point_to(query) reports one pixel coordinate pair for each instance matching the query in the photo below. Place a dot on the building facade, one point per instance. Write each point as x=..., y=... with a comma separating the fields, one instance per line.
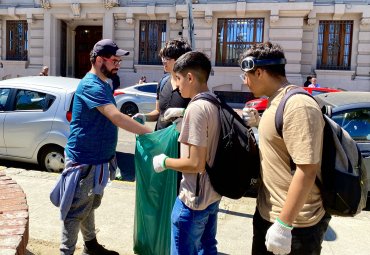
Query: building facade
x=326, y=38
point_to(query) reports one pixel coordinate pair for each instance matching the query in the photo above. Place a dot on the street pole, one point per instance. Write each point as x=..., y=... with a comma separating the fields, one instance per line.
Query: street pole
x=190, y=24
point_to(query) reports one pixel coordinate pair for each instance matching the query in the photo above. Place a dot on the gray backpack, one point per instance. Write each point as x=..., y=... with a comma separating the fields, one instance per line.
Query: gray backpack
x=343, y=184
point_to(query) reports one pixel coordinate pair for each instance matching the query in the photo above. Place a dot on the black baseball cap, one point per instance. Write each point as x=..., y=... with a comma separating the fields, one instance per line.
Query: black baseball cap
x=108, y=47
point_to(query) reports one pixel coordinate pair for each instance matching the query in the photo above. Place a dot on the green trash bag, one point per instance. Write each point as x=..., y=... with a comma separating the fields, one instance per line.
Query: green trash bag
x=155, y=192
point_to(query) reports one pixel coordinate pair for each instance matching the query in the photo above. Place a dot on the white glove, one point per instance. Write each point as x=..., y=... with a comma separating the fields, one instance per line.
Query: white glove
x=279, y=238
x=159, y=162
x=173, y=113
x=139, y=117
x=251, y=117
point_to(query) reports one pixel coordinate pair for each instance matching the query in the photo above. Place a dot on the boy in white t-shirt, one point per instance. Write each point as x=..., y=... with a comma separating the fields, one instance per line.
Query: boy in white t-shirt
x=194, y=215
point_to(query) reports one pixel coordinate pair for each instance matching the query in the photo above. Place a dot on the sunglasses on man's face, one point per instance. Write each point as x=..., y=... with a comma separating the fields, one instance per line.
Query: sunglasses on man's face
x=113, y=61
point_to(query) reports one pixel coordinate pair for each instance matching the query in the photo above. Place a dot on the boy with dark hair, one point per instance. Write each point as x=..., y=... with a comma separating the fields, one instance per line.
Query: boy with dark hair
x=290, y=217
x=168, y=95
x=194, y=215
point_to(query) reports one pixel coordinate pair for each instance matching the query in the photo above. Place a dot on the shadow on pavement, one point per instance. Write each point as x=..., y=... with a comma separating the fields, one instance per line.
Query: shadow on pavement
x=125, y=162
x=126, y=165
x=246, y=215
x=21, y=165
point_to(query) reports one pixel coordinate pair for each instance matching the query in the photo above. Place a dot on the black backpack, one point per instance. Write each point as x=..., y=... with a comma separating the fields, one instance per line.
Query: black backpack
x=237, y=163
x=163, y=82
x=344, y=181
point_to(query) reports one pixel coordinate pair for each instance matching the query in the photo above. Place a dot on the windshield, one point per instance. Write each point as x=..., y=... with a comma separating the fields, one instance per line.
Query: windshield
x=356, y=122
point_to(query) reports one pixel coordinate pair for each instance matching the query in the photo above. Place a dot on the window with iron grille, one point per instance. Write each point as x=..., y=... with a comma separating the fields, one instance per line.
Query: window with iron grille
x=234, y=36
x=17, y=40
x=152, y=39
x=334, y=45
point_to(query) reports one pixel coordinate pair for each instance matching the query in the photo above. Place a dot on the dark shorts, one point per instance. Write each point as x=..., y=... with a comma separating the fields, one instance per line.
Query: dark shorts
x=305, y=241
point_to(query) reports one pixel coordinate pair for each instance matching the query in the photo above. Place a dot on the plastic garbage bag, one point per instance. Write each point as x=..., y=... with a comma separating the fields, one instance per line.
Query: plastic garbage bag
x=155, y=192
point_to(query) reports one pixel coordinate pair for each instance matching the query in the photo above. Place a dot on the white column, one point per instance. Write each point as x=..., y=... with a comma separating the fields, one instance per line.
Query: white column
x=48, y=41
x=108, y=25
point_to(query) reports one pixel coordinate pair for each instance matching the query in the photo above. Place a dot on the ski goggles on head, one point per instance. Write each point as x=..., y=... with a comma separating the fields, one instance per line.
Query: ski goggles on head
x=251, y=63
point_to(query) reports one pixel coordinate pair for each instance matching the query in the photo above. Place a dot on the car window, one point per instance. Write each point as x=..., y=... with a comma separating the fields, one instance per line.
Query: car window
x=152, y=88
x=33, y=100
x=4, y=93
x=356, y=122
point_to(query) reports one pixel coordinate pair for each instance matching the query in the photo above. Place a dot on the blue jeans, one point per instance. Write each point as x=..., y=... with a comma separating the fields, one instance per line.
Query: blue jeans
x=193, y=231
x=305, y=241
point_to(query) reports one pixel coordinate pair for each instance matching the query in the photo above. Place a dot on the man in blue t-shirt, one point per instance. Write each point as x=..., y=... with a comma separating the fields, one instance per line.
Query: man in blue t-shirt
x=91, y=148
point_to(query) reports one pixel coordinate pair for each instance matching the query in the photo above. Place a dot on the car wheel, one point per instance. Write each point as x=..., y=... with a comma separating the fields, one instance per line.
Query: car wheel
x=51, y=158
x=129, y=108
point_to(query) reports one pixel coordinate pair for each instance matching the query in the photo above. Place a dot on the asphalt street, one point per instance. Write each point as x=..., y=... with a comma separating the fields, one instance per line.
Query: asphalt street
x=115, y=217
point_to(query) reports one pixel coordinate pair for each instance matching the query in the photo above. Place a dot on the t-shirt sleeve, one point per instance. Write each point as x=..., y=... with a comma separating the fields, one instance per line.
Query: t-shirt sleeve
x=303, y=130
x=95, y=94
x=194, y=127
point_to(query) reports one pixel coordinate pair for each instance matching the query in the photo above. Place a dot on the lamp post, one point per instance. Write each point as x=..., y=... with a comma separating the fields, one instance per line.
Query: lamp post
x=190, y=24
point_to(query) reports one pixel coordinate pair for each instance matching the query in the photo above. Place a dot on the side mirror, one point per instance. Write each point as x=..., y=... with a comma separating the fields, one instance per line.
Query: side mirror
x=327, y=110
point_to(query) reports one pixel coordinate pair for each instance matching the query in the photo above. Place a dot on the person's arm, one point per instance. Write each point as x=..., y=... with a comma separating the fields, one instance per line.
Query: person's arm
x=301, y=185
x=279, y=236
x=195, y=163
x=122, y=120
x=153, y=115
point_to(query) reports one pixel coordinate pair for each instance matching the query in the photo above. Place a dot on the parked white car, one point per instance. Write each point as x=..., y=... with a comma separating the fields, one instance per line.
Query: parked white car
x=35, y=113
x=136, y=98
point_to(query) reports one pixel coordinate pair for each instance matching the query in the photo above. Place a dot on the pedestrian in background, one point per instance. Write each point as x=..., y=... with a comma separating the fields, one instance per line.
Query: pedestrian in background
x=290, y=217
x=194, y=214
x=90, y=150
x=142, y=80
x=314, y=83
x=116, y=81
x=308, y=81
x=44, y=71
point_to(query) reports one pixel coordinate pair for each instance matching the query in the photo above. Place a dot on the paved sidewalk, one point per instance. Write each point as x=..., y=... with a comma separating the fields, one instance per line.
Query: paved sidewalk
x=115, y=218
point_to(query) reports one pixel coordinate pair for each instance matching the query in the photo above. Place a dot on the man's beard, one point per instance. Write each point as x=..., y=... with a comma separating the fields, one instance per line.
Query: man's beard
x=106, y=72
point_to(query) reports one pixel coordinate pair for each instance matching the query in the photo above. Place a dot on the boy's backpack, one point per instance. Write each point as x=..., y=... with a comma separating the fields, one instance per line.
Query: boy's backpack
x=344, y=181
x=237, y=163
x=163, y=82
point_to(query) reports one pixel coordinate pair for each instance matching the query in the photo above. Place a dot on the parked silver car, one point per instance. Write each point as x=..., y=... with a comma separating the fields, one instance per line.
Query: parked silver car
x=136, y=98
x=351, y=110
x=35, y=113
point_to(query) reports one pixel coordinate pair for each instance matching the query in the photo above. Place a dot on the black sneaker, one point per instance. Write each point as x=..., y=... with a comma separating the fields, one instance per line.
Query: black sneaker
x=94, y=248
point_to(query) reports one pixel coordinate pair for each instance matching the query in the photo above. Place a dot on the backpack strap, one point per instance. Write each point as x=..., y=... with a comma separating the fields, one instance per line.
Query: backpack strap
x=279, y=122
x=216, y=102
x=163, y=82
x=206, y=96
